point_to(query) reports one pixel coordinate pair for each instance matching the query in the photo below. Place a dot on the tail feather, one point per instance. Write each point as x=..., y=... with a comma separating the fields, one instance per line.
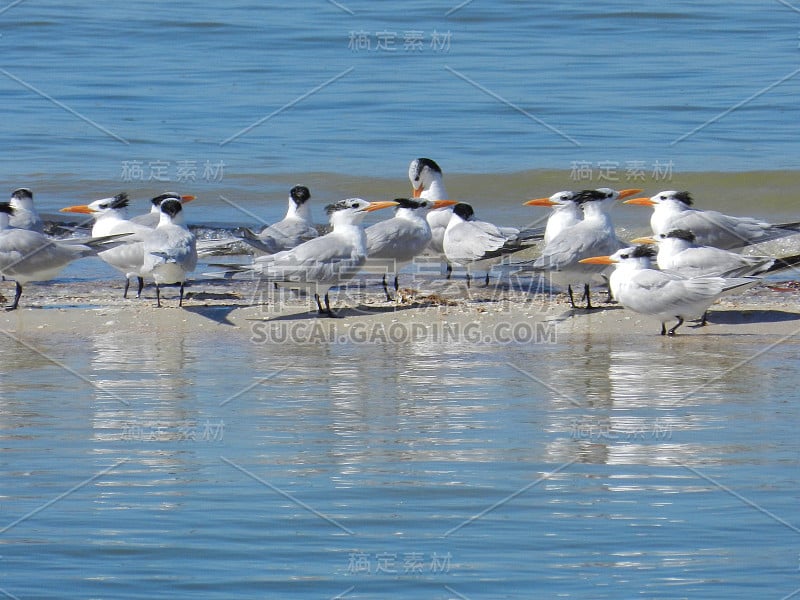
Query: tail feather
x=787, y=262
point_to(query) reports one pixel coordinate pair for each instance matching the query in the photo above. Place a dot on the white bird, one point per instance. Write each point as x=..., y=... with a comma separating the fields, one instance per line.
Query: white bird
x=673, y=210
x=678, y=252
x=32, y=256
x=566, y=212
x=170, y=250
x=477, y=245
x=25, y=214
x=662, y=294
x=326, y=261
x=592, y=236
x=294, y=229
x=427, y=183
x=151, y=219
x=393, y=243
x=111, y=217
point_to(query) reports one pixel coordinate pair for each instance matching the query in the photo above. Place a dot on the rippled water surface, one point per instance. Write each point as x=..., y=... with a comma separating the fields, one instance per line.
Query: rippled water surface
x=135, y=466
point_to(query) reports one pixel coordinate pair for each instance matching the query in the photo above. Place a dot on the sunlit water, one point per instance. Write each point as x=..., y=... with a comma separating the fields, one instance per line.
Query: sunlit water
x=141, y=466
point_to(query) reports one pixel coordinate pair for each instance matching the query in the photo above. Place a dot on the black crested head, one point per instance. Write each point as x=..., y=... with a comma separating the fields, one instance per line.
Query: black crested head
x=336, y=206
x=165, y=196
x=643, y=251
x=684, y=197
x=22, y=194
x=464, y=211
x=589, y=196
x=421, y=163
x=171, y=207
x=681, y=234
x=6, y=208
x=408, y=203
x=119, y=201
x=300, y=194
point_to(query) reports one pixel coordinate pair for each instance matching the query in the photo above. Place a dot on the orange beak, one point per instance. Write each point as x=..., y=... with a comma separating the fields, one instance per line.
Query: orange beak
x=373, y=206
x=640, y=202
x=444, y=203
x=417, y=192
x=597, y=260
x=185, y=199
x=81, y=208
x=627, y=193
x=540, y=202
x=644, y=240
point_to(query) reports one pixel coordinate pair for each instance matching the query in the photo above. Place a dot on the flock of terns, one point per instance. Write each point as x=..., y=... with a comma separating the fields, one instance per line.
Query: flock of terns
x=690, y=260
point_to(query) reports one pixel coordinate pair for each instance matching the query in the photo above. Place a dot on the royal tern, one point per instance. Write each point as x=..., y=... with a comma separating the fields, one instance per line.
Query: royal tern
x=25, y=215
x=325, y=261
x=397, y=241
x=294, y=229
x=678, y=252
x=31, y=256
x=111, y=217
x=151, y=219
x=673, y=210
x=477, y=245
x=566, y=213
x=427, y=183
x=661, y=294
x=592, y=236
x=170, y=250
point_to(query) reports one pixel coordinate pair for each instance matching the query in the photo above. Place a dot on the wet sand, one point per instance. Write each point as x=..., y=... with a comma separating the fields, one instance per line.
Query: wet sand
x=432, y=310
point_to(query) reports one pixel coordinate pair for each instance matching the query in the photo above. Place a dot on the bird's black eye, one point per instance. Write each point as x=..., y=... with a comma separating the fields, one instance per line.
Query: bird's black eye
x=609, y=195
x=104, y=206
x=625, y=256
x=662, y=197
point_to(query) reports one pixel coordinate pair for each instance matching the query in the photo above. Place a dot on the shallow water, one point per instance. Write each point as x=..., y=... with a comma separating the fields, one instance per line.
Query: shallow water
x=135, y=465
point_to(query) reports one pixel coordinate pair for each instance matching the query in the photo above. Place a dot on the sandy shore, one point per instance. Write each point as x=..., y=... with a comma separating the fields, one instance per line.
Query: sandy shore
x=433, y=310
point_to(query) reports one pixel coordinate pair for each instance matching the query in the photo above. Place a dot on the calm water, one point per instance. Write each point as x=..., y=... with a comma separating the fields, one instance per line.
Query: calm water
x=143, y=467
x=138, y=467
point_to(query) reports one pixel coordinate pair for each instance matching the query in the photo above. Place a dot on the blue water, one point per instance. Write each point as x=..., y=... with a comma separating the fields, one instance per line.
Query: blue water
x=188, y=465
x=166, y=467
x=148, y=91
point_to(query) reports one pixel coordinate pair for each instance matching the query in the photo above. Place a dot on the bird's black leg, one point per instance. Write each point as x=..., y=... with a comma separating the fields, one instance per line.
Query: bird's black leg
x=17, y=294
x=328, y=310
x=704, y=320
x=180, y=298
x=127, y=285
x=663, y=328
x=158, y=296
x=319, y=305
x=396, y=282
x=678, y=324
x=487, y=279
x=587, y=293
x=386, y=289
x=140, y=283
x=449, y=271
x=469, y=280
x=571, y=297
